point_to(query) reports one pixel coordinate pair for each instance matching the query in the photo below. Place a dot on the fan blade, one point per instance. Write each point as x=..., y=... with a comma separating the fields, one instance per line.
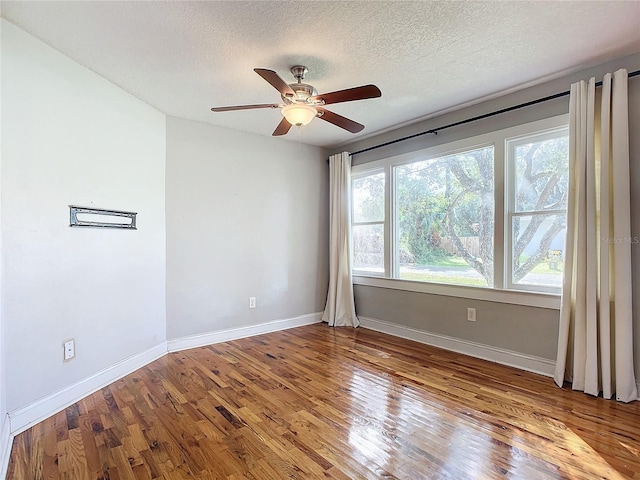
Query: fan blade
x=340, y=121
x=348, y=95
x=274, y=79
x=245, y=107
x=282, y=128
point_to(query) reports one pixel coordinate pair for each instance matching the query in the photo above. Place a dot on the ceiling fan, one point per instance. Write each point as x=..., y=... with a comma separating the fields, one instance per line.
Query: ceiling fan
x=302, y=102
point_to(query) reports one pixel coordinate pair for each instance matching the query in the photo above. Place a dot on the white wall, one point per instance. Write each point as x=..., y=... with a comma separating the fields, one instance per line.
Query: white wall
x=4, y=423
x=246, y=216
x=71, y=137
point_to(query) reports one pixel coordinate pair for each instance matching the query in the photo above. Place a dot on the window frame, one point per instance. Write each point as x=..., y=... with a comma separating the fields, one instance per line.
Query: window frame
x=393, y=200
x=510, y=206
x=384, y=222
x=501, y=290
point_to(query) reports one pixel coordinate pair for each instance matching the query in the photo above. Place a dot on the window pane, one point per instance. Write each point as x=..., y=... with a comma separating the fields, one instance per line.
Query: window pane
x=368, y=248
x=368, y=198
x=542, y=176
x=538, y=249
x=445, y=219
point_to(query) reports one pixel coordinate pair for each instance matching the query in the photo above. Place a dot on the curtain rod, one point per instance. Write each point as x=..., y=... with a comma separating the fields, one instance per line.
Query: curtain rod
x=479, y=117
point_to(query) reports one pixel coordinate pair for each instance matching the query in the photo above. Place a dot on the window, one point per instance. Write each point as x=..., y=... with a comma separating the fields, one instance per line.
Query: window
x=444, y=212
x=488, y=211
x=368, y=216
x=537, y=209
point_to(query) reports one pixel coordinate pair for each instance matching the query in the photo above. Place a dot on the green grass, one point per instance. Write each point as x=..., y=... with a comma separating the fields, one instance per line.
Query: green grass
x=453, y=261
x=543, y=267
x=459, y=262
x=428, y=277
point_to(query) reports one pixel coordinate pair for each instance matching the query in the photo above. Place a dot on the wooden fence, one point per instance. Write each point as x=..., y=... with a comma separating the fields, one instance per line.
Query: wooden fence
x=471, y=245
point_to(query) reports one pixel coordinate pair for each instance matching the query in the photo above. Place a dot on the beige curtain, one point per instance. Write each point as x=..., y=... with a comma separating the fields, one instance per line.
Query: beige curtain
x=595, y=344
x=340, y=308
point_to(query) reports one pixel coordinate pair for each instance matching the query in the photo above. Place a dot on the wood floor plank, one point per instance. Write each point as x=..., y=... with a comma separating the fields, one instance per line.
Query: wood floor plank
x=318, y=402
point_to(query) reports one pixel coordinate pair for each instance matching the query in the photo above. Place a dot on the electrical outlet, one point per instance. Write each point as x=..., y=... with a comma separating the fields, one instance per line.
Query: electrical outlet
x=471, y=314
x=252, y=302
x=69, y=349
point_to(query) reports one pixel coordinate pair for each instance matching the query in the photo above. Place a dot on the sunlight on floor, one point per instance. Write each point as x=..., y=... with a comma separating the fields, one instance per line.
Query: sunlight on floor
x=467, y=443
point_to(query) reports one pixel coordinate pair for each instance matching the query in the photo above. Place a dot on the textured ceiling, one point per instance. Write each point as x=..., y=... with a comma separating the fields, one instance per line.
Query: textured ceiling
x=183, y=57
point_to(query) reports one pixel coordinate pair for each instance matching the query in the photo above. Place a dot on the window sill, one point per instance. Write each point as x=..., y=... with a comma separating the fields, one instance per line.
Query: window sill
x=514, y=297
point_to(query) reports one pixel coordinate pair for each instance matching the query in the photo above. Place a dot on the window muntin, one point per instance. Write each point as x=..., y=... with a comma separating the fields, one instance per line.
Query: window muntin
x=368, y=222
x=444, y=211
x=539, y=178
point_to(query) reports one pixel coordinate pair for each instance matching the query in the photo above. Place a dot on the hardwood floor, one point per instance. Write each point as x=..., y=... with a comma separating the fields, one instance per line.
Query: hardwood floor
x=317, y=402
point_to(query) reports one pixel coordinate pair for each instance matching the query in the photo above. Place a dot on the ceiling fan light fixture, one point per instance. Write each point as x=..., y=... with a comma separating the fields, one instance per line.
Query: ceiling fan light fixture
x=299, y=114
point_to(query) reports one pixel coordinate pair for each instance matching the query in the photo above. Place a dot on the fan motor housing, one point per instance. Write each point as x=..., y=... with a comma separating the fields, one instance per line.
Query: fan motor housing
x=303, y=92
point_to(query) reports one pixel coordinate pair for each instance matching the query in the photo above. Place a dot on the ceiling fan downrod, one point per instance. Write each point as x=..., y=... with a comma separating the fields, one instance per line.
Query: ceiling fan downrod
x=299, y=72
x=302, y=90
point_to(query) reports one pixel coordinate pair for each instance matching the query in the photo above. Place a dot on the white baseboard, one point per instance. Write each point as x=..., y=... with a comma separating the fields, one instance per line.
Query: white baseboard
x=522, y=361
x=35, y=412
x=209, y=338
x=6, y=439
x=23, y=418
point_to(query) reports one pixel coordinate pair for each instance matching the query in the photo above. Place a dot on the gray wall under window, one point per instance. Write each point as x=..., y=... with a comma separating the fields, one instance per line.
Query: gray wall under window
x=523, y=329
